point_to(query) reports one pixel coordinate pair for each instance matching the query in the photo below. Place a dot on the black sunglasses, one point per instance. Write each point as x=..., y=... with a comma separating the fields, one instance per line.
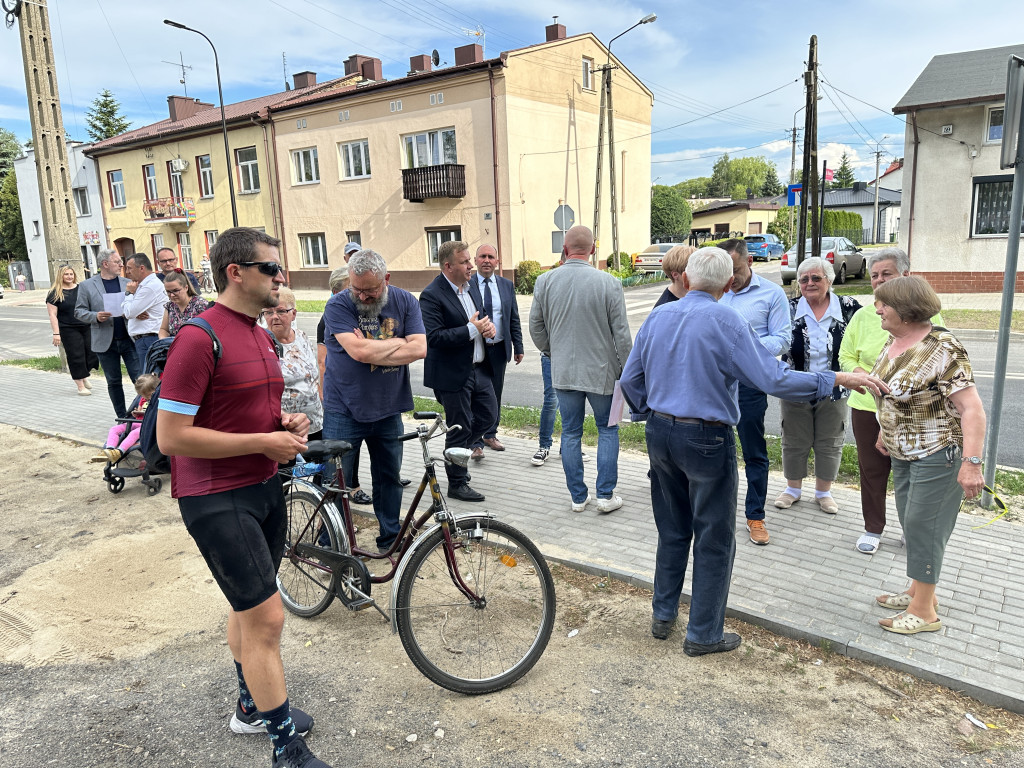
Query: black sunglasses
x=268, y=268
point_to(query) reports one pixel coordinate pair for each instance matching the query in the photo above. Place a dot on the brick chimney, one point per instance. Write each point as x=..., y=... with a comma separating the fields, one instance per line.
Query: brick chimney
x=419, y=63
x=371, y=69
x=182, y=107
x=304, y=79
x=468, y=54
x=354, y=64
x=554, y=32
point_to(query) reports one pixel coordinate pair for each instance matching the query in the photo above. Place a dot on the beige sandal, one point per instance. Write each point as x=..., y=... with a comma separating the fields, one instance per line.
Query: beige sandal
x=898, y=602
x=909, y=624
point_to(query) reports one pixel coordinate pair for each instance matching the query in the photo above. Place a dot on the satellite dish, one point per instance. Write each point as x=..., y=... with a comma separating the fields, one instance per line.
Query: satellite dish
x=435, y=57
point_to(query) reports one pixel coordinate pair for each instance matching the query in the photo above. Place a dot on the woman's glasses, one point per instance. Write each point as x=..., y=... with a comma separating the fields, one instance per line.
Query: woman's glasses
x=808, y=278
x=268, y=268
x=272, y=312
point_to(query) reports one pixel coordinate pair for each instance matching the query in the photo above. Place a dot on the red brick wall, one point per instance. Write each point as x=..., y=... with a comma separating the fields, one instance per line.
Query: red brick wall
x=969, y=282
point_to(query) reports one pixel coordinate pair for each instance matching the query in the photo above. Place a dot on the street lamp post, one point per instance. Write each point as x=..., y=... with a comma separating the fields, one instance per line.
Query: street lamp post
x=603, y=114
x=223, y=119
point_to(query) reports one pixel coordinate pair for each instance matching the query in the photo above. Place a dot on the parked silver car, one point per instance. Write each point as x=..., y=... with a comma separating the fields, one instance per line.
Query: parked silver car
x=649, y=259
x=845, y=257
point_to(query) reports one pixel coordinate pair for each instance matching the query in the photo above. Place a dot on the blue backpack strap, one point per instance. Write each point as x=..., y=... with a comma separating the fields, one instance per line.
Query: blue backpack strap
x=201, y=322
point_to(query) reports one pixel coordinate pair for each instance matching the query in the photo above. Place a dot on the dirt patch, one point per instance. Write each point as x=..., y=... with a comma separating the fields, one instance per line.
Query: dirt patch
x=112, y=653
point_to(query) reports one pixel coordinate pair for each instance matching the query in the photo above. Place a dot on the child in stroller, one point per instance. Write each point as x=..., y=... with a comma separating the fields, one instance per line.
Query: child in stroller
x=124, y=435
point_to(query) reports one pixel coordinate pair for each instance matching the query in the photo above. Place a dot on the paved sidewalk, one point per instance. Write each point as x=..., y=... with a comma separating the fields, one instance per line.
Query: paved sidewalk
x=808, y=583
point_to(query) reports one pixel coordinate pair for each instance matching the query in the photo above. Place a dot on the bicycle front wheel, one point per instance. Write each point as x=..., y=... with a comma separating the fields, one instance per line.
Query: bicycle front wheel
x=480, y=647
x=306, y=586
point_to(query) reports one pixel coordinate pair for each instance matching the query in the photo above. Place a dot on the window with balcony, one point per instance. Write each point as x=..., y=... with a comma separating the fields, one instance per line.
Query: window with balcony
x=248, y=170
x=430, y=148
x=174, y=176
x=436, y=236
x=355, y=159
x=205, y=176
x=305, y=166
x=81, y=195
x=149, y=182
x=314, y=250
x=588, y=74
x=115, y=181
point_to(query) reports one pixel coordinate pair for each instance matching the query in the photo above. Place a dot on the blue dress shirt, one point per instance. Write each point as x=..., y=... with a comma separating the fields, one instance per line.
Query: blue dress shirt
x=689, y=355
x=766, y=307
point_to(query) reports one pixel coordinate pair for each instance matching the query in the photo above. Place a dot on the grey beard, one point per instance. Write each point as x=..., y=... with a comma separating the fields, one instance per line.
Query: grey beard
x=370, y=310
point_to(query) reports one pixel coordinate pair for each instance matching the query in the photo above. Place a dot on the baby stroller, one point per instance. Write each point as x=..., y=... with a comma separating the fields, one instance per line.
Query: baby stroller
x=132, y=463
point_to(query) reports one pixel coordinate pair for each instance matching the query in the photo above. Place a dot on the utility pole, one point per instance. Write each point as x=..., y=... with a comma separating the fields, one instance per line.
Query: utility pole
x=809, y=193
x=878, y=159
x=605, y=88
x=60, y=223
x=610, y=115
x=794, y=132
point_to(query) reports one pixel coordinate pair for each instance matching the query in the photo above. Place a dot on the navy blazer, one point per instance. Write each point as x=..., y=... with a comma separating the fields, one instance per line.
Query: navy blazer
x=449, y=361
x=511, y=330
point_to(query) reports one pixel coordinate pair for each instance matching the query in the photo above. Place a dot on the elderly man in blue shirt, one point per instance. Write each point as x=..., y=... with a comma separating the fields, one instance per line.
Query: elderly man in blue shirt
x=687, y=361
x=765, y=306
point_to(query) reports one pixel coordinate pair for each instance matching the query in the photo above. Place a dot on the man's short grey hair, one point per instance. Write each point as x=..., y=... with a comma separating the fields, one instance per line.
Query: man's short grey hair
x=338, y=278
x=709, y=269
x=896, y=255
x=367, y=261
x=816, y=262
x=105, y=254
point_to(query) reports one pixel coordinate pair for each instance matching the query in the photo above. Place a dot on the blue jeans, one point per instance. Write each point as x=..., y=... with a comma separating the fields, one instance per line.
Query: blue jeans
x=753, y=403
x=572, y=404
x=694, y=466
x=547, y=412
x=120, y=349
x=142, y=349
x=385, y=463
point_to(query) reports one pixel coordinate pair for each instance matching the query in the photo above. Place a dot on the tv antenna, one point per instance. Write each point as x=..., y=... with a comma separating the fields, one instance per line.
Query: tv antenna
x=284, y=71
x=182, y=66
x=478, y=33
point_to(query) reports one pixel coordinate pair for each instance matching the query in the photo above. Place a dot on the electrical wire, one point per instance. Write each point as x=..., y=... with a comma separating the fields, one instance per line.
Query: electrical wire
x=716, y=154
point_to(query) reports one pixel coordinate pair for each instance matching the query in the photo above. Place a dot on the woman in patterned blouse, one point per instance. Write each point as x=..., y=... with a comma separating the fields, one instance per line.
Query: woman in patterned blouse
x=298, y=364
x=932, y=426
x=184, y=303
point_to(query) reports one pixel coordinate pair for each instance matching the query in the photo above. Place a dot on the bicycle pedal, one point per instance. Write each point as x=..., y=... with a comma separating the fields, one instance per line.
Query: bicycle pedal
x=360, y=604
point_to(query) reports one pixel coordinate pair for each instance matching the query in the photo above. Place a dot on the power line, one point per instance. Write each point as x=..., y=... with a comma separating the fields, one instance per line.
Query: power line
x=716, y=154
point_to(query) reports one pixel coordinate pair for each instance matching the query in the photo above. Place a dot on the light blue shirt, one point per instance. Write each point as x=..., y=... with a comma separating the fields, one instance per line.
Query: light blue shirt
x=689, y=355
x=495, y=307
x=818, y=350
x=766, y=307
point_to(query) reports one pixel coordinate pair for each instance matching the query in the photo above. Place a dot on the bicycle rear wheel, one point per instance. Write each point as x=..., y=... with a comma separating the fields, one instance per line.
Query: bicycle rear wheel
x=471, y=648
x=306, y=587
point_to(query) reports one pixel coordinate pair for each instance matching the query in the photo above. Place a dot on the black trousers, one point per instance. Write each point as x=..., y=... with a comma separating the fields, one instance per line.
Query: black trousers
x=474, y=408
x=496, y=362
x=81, y=358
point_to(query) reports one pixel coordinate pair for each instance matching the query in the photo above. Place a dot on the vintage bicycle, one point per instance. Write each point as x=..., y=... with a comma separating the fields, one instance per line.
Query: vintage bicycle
x=472, y=598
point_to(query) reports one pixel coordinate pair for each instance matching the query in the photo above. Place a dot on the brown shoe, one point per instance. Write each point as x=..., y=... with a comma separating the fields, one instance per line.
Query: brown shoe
x=478, y=454
x=493, y=444
x=785, y=500
x=758, y=533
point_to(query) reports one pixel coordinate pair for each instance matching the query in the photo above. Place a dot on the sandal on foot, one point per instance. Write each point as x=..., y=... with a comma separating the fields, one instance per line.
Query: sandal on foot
x=909, y=624
x=868, y=543
x=898, y=602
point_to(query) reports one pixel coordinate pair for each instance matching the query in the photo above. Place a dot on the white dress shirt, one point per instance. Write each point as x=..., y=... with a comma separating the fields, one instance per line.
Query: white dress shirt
x=150, y=297
x=818, y=352
x=467, y=305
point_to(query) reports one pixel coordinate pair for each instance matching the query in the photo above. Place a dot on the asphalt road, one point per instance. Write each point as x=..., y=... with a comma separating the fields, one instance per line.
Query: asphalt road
x=25, y=332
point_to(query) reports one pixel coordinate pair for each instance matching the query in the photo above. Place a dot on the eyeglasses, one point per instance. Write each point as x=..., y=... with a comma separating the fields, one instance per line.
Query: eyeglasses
x=174, y=291
x=809, y=278
x=272, y=312
x=268, y=268
x=374, y=294
x=167, y=261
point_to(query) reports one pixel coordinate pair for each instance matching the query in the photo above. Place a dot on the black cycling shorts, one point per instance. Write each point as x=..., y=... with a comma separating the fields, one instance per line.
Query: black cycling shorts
x=241, y=534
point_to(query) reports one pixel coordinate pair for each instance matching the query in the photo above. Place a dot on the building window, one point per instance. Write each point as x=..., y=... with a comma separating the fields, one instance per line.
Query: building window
x=314, y=250
x=437, y=236
x=430, y=148
x=81, y=195
x=205, y=176
x=248, y=170
x=35, y=228
x=149, y=181
x=174, y=176
x=185, y=246
x=354, y=237
x=211, y=238
x=158, y=243
x=115, y=180
x=994, y=129
x=355, y=159
x=992, y=207
x=305, y=166
x=588, y=74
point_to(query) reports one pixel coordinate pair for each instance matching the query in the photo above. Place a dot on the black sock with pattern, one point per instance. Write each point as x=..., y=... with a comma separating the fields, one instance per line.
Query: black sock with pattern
x=280, y=727
x=244, y=697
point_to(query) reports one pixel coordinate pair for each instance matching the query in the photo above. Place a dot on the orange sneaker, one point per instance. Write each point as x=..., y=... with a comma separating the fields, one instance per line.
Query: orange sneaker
x=758, y=533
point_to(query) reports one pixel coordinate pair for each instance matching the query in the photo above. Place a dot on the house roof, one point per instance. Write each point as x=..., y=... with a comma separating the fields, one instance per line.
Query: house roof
x=848, y=196
x=751, y=204
x=960, y=78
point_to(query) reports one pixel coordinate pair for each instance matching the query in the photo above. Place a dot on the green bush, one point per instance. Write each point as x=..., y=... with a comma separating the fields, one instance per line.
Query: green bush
x=526, y=275
x=625, y=262
x=843, y=224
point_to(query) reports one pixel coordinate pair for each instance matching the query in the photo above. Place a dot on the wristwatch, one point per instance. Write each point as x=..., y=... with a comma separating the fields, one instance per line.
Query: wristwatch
x=972, y=459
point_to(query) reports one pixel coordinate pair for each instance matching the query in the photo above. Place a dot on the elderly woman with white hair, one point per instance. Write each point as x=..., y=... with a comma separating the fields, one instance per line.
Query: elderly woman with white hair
x=820, y=318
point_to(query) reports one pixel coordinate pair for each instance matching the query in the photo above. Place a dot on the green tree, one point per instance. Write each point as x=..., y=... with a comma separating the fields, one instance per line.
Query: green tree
x=12, y=236
x=721, y=179
x=772, y=186
x=10, y=148
x=670, y=214
x=783, y=228
x=104, y=118
x=843, y=177
x=698, y=187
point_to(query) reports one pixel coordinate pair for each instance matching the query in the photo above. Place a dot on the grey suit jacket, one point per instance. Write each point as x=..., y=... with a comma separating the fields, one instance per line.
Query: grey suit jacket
x=579, y=318
x=90, y=302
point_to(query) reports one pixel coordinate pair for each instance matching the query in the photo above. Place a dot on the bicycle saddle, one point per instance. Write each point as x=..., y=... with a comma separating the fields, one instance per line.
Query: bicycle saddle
x=318, y=450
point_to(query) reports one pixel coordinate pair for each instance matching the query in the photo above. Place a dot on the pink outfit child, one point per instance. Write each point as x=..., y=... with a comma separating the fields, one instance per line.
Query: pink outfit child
x=125, y=436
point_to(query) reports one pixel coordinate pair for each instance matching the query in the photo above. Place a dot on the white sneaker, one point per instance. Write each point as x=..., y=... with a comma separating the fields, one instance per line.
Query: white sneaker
x=604, y=506
x=582, y=505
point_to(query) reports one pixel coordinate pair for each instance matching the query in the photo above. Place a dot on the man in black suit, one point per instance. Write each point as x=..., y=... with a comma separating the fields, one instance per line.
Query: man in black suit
x=499, y=304
x=456, y=365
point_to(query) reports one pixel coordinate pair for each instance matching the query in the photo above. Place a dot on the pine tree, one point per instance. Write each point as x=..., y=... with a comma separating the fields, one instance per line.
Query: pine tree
x=843, y=177
x=12, y=236
x=104, y=118
x=10, y=148
x=772, y=186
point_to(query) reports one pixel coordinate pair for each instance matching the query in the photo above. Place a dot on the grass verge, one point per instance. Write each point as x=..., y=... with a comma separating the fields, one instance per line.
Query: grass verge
x=50, y=363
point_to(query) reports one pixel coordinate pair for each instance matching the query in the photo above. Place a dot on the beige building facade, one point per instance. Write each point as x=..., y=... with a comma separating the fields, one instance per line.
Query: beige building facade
x=734, y=218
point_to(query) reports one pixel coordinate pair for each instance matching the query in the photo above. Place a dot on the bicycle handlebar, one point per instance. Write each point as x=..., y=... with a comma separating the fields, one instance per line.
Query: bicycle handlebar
x=424, y=414
x=408, y=436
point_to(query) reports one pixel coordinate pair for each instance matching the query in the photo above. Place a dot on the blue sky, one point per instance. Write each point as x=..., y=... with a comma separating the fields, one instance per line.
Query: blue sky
x=697, y=58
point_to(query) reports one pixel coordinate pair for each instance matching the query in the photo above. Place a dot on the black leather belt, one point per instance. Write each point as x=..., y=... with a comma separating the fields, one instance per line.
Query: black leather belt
x=144, y=336
x=686, y=420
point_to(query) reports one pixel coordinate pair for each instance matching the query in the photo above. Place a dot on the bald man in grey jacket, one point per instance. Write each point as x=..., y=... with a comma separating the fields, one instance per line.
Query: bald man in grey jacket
x=579, y=319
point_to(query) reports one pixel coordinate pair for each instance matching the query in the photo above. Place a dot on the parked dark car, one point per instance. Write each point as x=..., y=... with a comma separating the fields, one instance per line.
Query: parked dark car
x=764, y=247
x=845, y=257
